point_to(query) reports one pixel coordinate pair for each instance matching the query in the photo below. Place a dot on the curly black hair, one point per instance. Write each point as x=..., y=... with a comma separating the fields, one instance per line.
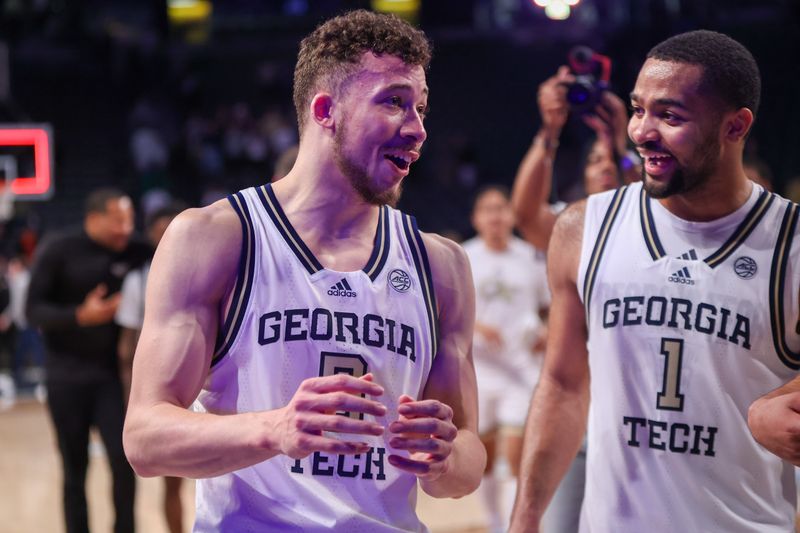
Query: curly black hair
x=331, y=51
x=730, y=72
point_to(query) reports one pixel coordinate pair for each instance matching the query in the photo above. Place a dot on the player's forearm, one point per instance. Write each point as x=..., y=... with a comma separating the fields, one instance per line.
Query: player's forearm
x=168, y=440
x=466, y=464
x=786, y=388
x=553, y=434
x=531, y=189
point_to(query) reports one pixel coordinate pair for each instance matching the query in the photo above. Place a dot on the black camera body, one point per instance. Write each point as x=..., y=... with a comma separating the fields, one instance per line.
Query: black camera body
x=592, y=73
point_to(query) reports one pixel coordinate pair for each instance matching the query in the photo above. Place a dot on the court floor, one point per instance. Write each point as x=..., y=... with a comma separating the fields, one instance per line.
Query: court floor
x=30, y=476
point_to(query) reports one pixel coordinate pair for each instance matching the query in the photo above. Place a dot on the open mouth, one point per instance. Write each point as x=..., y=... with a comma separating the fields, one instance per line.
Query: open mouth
x=398, y=161
x=659, y=160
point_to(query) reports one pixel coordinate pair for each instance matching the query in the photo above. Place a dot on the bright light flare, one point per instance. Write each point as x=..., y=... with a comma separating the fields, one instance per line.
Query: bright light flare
x=557, y=10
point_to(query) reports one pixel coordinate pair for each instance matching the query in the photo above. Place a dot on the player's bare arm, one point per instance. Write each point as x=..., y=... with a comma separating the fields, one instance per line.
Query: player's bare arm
x=534, y=177
x=774, y=421
x=441, y=431
x=192, y=275
x=557, y=418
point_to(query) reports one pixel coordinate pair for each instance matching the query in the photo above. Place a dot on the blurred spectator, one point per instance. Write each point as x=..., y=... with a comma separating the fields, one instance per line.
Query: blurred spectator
x=73, y=297
x=607, y=165
x=28, y=347
x=510, y=291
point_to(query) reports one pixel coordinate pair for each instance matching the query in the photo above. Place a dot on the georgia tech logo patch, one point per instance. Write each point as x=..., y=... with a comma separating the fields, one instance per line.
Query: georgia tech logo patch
x=399, y=280
x=745, y=267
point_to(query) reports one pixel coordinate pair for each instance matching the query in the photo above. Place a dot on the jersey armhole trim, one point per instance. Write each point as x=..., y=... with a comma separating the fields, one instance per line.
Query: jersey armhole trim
x=599, y=247
x=244, y=281
x=423, y=268
x=777, y=284
x=743, y=231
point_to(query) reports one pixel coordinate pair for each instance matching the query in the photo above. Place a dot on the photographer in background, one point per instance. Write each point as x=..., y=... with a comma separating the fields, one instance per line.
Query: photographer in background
x=608, y=163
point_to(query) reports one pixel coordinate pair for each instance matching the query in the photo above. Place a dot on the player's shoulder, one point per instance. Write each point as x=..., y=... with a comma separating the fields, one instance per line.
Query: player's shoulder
x=209, y=233
x=448, y=261
x=442, y=249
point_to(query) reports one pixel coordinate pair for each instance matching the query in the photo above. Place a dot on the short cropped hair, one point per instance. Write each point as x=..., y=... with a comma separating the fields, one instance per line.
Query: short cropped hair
x=330, y=53
x=97, y=201
x=730, y=72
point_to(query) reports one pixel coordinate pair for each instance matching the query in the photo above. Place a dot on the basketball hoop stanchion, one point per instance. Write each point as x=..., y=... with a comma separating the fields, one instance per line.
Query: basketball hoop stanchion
x=26, y=160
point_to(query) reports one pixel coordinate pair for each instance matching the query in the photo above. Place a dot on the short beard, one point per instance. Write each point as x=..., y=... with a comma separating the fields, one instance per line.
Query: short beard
x=358, y=177
x=685, y=179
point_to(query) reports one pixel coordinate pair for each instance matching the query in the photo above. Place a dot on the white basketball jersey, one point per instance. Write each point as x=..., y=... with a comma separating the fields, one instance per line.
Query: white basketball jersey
x=510, y=288
x=682, y=340
x=292, y=319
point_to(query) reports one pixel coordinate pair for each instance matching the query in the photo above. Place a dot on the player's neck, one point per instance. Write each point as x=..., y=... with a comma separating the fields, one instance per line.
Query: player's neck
x=725, y=192
x=323, y=210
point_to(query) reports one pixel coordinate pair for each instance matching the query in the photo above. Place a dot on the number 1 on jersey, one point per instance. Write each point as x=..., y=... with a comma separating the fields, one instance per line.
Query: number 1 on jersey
x=670, y=397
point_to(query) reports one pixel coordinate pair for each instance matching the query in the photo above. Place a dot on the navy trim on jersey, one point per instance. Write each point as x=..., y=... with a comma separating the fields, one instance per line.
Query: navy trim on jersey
x=739, y=235
x=649, y=227
x=244, y=281
x=599, y=247
x=423, y=267
x=777, y=285
x=281, y=221
x=380, y=246
x=380, y=249
x=743, y=231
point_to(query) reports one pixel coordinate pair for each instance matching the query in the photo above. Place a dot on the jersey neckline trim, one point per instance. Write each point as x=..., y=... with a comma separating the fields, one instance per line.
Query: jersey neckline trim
x=380, y=247
x=739, y=235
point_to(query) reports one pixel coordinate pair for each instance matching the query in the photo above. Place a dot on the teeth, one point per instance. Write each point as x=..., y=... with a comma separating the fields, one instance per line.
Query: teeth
x=403, y=157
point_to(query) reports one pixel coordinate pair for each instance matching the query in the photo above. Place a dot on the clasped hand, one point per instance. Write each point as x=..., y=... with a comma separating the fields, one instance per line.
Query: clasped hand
x=424, y=428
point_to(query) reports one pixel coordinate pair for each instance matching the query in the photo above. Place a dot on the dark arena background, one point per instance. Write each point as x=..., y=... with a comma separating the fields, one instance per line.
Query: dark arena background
x=191, y=100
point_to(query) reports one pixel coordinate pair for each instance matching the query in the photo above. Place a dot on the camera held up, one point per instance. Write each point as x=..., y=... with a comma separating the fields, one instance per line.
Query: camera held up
x=592, y=74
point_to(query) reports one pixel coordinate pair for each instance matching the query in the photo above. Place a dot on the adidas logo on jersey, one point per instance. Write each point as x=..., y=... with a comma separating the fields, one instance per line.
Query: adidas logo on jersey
x=691, y=255
x=681, y=276
x=342, y=289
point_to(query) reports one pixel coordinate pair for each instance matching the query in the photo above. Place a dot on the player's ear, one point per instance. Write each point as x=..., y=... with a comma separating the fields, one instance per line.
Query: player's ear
x=738, y=124
x=322, y=110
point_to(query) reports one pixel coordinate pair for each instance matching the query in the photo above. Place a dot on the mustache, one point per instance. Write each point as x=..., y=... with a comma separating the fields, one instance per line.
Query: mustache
x=652, y=146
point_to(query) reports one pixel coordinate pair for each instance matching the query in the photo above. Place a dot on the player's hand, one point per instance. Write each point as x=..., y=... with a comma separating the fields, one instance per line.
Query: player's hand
x=425, y=429
x=775, y=424
x=96, y=309
x=313, y=409
x=610, y=122
x=552, y=100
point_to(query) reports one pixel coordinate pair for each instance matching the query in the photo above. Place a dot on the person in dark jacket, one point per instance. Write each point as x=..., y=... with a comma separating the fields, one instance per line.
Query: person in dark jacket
x=73, y=296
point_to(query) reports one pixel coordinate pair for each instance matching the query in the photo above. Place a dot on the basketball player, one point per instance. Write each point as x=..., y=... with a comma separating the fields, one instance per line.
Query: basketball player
x=680, y=280
x=326, y=340
x=510, y=290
